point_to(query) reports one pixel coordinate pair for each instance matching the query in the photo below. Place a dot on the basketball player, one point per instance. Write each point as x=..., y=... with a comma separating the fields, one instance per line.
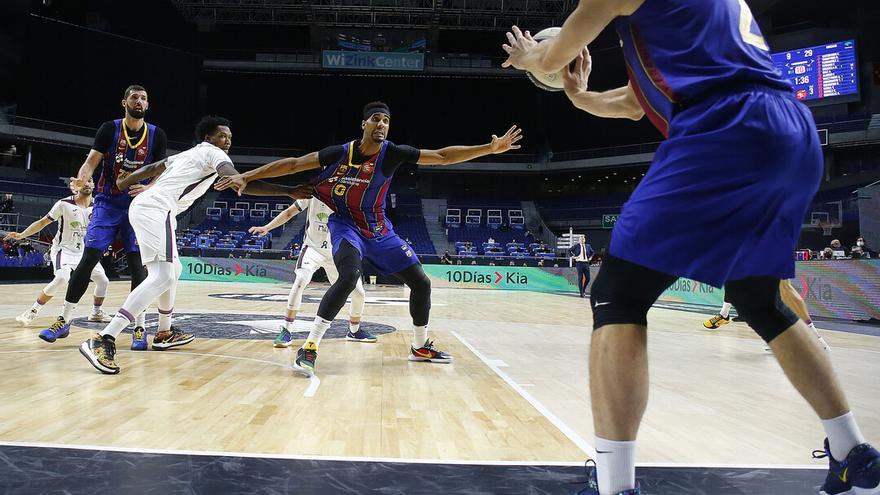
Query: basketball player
x=741, y=163
x=121, y=147
x=183, y=178
x=354, y=179
x=316, y=253
x=789, y=296
x=72, y=215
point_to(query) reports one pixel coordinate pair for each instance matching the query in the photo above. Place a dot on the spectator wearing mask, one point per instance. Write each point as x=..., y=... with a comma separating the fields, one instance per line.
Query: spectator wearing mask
x=866, y=251
x=838, y=249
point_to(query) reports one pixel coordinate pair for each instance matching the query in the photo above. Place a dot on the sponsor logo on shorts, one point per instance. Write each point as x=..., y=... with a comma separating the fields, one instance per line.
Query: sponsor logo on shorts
x=245, y=326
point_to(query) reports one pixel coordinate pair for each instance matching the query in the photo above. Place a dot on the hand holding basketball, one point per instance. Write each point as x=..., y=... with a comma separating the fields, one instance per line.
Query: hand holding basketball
x=518, y=51
x=576, y=79
x=507, y=141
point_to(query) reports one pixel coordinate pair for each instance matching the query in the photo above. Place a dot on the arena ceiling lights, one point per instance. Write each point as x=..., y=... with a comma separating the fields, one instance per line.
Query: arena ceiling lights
x=488, y=15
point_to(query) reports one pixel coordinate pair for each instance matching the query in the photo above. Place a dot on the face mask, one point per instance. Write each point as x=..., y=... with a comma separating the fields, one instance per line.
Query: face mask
x=860, y=243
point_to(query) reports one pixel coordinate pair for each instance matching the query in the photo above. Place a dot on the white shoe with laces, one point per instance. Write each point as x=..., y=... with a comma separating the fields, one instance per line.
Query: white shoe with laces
x=99, y=316
x=27, y=317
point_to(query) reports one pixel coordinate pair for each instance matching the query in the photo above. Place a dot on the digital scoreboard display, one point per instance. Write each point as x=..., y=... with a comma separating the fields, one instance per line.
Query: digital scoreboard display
x=821, y=71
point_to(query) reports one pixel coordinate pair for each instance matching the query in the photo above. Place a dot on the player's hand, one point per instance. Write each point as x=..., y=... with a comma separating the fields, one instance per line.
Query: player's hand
x=576, y=76
x=235, y=182
x=302, y=191
x=521, y=50
x=138, y=188
x=260, y=231
x=77, y=182
x=13, y=236
x=507, y=141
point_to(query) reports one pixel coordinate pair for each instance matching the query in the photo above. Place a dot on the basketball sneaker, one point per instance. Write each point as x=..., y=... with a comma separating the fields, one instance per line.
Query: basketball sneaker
x=305, y=359
x=57, y=330
x=592, y=487
x=139, y=339
x=167, y=339
x=99, y=316
x=100, y=351
x=858, y=474
x=283, y=339
x=429, y=353
x=361, y=336
x=26, y=318
x=715, y=322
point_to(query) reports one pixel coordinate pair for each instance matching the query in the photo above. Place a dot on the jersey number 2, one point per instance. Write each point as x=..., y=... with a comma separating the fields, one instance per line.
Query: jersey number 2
x=745, y=27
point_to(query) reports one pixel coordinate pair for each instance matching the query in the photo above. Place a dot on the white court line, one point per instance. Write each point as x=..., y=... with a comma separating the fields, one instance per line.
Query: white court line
x=558, y=423
x=394, y=460
x=314, y=383
x=172, y=353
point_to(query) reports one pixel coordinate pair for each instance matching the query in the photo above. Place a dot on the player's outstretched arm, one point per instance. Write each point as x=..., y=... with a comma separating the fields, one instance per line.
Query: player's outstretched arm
x=146, y=172
x=261, y=188
x=282, y=218
x=457, y=154
x=582, y=26
x=285, y=166
x=30, y=230
x=87, y=169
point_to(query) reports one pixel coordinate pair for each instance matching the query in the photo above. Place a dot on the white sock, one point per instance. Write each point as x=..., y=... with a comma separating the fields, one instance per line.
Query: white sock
x=96, y=308
x=141, y=320
x=67, y=312
x=843, y=434
x=354, y=327
x=725, y=310
x=164, y=321
x=420, y=336
x=116, y=325
x=318, y=329
x=288, y=322
x=615, y=465
x=36, y=307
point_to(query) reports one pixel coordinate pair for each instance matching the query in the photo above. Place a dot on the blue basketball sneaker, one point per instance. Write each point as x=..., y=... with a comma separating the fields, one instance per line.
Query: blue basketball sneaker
x=858, y=474
x=592, y=487
x=361, y=336
x=283, y=339
x=139, y=339
x=58, y=330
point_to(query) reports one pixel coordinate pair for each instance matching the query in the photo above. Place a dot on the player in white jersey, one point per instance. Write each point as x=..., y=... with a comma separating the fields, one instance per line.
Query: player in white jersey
x=316, y=253
x=72, y=214
x=183, y=178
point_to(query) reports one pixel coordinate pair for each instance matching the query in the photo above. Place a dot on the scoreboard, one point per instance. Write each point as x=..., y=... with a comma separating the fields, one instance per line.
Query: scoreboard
x=821, y=71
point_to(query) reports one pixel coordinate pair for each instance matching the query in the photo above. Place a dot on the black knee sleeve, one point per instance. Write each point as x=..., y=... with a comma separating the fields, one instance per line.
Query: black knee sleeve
x=623, y=292
x=419, y=293
x=79, y=279
x=135, y=268
x=758, y=302
x=348, y=263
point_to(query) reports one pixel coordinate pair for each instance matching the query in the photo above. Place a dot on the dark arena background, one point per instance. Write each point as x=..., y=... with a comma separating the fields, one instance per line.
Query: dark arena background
x=512, y=412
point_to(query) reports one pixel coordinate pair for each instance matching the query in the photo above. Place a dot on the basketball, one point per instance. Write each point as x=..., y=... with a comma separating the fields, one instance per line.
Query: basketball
x=552, y=81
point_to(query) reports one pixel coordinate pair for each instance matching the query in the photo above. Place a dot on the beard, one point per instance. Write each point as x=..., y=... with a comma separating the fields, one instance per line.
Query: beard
x=133, y=112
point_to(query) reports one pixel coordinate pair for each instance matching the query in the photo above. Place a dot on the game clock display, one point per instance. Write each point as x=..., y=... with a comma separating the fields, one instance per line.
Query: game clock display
x=821, y=71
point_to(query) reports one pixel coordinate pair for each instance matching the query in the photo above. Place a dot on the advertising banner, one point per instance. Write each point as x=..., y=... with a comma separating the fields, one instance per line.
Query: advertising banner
x=503, y=277
x=847, y=289
x=340, y=59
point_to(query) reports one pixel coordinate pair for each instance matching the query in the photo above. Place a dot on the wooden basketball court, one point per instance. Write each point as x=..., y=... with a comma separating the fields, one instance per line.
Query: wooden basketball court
x=516, y=392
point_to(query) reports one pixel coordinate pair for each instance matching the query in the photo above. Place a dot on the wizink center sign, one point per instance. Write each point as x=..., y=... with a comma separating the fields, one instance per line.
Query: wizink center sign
x=338, y=59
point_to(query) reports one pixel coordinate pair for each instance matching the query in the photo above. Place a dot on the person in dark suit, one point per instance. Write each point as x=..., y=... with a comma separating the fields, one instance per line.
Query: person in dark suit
x=582, y=253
